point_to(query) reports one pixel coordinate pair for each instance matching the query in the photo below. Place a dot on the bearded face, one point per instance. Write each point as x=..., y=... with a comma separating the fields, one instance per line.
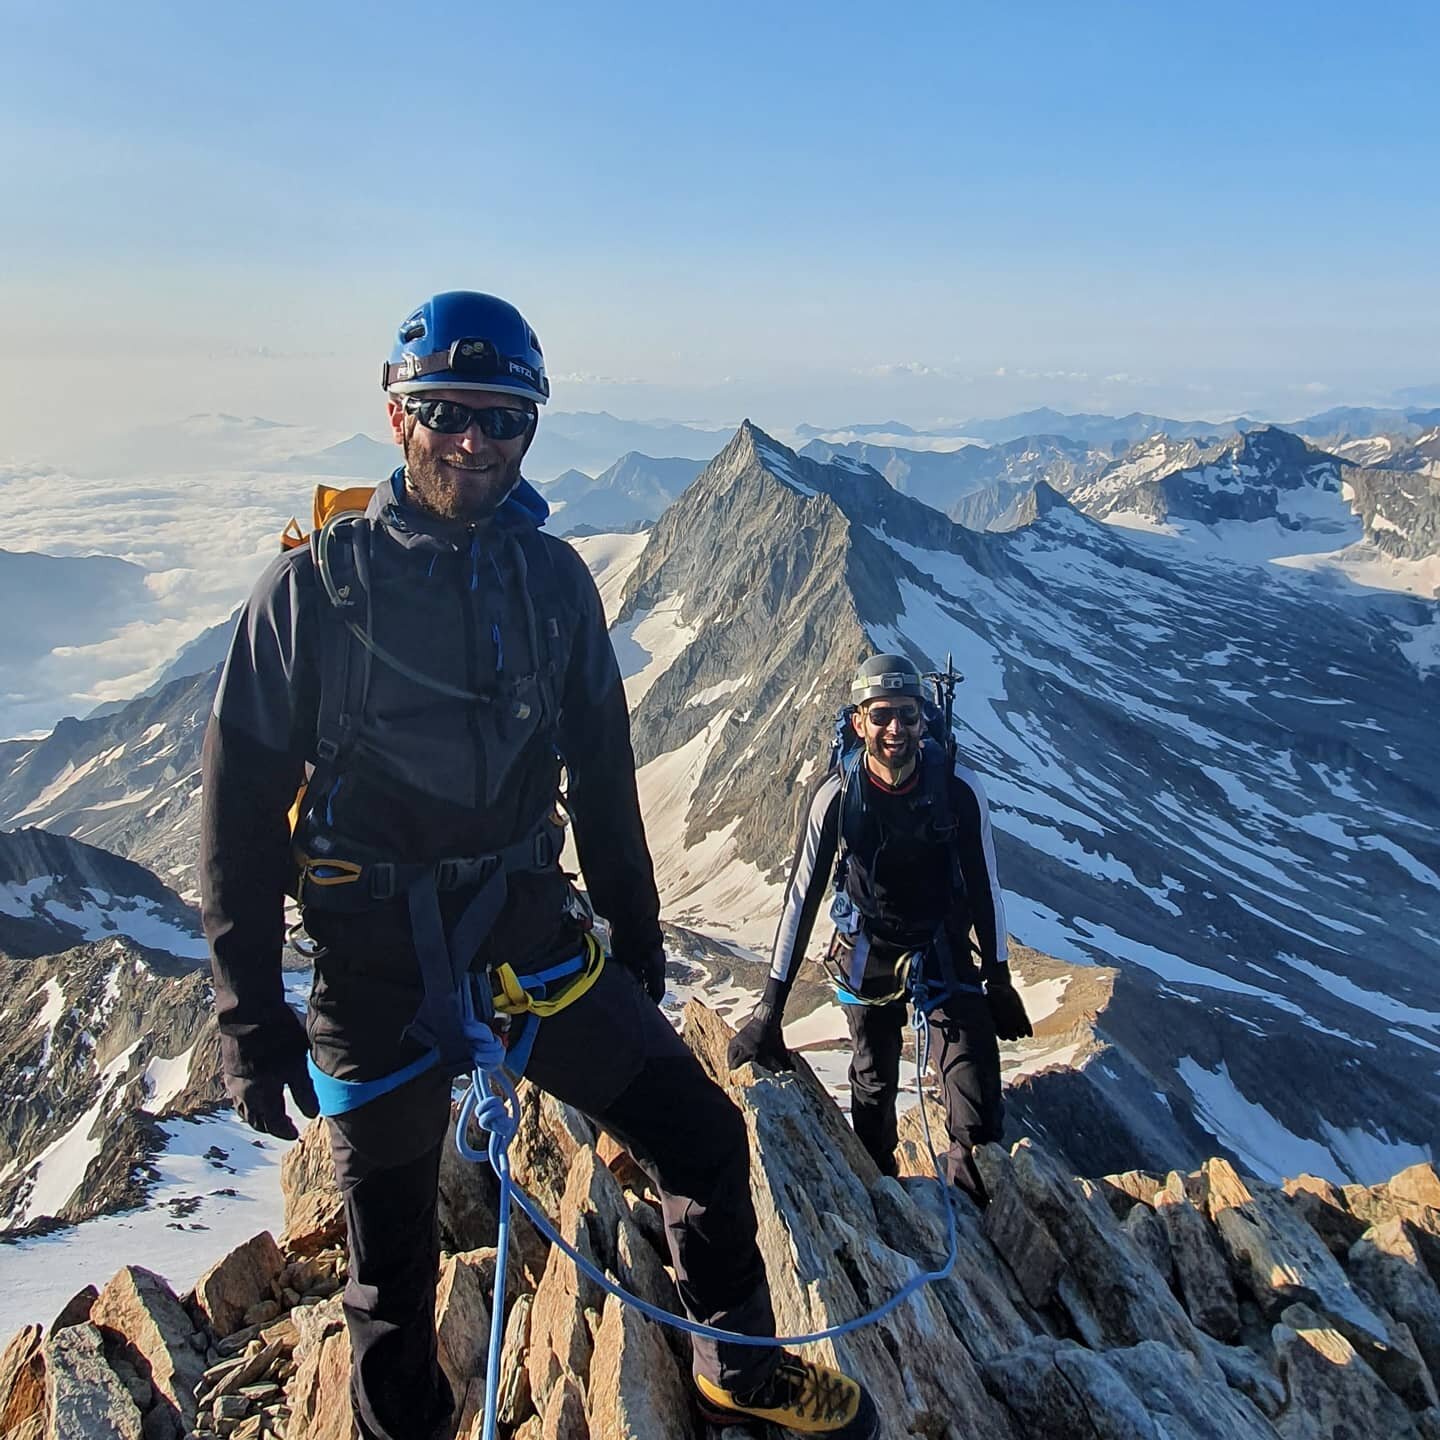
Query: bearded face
x=466, y=476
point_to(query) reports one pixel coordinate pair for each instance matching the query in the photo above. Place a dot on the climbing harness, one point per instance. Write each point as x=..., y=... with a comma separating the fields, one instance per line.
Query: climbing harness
x=846, y=989
x=492, y=1102
x=515, y=1010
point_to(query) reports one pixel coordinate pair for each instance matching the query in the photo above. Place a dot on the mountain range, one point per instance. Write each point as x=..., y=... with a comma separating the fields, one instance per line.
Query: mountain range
x=1211, y=778
x=630, y=494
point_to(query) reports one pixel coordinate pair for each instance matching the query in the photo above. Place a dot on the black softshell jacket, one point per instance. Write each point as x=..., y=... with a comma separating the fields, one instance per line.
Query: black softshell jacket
x=978, y=903
x=431, y=776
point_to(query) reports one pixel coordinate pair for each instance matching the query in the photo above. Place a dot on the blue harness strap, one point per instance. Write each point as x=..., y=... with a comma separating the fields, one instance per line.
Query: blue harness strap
x=340, y=1097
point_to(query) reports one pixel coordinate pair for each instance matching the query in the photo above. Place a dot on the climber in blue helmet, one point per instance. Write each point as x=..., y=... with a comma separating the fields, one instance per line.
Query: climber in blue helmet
x=430, y=666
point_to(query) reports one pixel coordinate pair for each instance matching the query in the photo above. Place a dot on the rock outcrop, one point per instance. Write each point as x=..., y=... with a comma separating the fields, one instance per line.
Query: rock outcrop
x=1216, y=1308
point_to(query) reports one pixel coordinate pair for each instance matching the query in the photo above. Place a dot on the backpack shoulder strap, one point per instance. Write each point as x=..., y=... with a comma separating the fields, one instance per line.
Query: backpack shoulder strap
x=344, y=667
x=545, y=605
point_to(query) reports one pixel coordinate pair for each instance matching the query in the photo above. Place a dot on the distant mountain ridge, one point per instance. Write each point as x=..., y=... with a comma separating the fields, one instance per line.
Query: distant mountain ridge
x=633, y=492
x=943, y=479
x=1207, y=776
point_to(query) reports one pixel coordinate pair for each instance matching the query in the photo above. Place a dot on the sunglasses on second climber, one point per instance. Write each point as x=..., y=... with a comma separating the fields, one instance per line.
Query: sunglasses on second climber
x=495, y=422
x=882, y=715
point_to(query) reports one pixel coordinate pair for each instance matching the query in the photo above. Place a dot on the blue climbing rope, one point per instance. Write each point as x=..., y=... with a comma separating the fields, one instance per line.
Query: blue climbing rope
x=493, y=1104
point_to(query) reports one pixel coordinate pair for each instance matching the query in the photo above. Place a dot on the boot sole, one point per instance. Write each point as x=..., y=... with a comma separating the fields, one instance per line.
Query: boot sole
x=762, y=1429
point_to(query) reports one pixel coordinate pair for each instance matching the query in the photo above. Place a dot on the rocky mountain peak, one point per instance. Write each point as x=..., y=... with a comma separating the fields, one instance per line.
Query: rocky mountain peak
x=1194, y=1305
x=56, y=892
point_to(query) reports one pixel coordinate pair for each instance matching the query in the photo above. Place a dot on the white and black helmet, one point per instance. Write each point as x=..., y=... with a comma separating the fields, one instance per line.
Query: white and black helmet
x=886, y=675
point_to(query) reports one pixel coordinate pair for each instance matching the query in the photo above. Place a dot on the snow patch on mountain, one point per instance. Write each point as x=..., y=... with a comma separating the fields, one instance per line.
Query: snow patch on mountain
x=702, y=884
x=61, y=1167
x=610, y=560
x=217, y=1184
x=101, y=915
x=1264, y=1146
x=649, y=644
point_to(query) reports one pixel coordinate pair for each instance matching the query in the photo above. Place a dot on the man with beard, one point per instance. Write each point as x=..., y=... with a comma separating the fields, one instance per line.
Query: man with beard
x=427, y=668
x=901, y=834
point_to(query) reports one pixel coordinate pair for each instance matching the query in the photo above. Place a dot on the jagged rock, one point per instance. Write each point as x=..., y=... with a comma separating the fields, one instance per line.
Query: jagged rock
x=1386, y=1262
x=462, y=1319
x=564, y=1417
x=1366, y=1203
x=636, y=1392
x=1322, y=1206
x=1185, y=1404
x=825, y=1269
x=1147, y=1234
x=248, y=1274
x=709, y=1037
x=467, y=1197
x=468, y=1214
x=1122, y=1191
x=154, y=1332
x=314, y=1207
x=241, y=1373
x=319, y=1391
x=513, y=1402
x=75, y=1311
x=1418, y=1186
x=22, y=1379
x=560, y=1342
x=308, y=1165
x=1200, y=1268
x=1248, y=1373
x=981, y=1299
x=912, y=1151
x=917, y=1369
x=314, y=1222
x=551, y=1134
x=1114, y=1297
x=1059, y=1388
x=83, y=1395
x=1332, y=1393
x=621, y=1164
x=1026, y=1246
x=1282, y=1258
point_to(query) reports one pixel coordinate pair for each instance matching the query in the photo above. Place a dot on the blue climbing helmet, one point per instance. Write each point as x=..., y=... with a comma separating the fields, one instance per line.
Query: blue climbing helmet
x=463, y=340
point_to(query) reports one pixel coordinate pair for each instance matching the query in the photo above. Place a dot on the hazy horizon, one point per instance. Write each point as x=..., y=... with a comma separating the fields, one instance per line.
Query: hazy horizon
x=806, y=215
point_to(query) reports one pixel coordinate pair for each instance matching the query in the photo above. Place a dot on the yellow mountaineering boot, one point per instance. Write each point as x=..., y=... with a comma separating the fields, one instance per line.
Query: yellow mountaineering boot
x=800, y=1396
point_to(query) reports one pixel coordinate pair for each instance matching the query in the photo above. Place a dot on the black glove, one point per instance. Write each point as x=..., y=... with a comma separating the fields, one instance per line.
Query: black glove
x=1007, y=1009
x=760, y=1038
x=259, y=1093
x=647, y=965
x=260, y=1099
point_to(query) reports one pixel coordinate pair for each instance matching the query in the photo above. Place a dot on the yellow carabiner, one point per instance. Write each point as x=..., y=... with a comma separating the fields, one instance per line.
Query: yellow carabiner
x=513, y=998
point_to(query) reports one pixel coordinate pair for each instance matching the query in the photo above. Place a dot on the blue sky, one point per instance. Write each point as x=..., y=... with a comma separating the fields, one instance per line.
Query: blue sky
x=800, y=212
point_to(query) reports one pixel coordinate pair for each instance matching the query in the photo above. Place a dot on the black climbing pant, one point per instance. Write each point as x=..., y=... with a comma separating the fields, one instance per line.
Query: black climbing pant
x=965, y=1060
x=613, y=1056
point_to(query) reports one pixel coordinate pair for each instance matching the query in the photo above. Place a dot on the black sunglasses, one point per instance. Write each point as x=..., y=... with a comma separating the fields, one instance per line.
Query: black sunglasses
x=495, y=422
x=881, y=715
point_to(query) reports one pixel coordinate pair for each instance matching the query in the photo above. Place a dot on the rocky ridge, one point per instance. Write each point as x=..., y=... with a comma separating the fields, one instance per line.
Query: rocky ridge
x=1261, y=474
x=1174, y=754
x=105, y=1027
x=1400, y=507
x=1194, y=1306
x=128, y=782
x=97, y=1043
x=947, y=479
x=631, y=493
